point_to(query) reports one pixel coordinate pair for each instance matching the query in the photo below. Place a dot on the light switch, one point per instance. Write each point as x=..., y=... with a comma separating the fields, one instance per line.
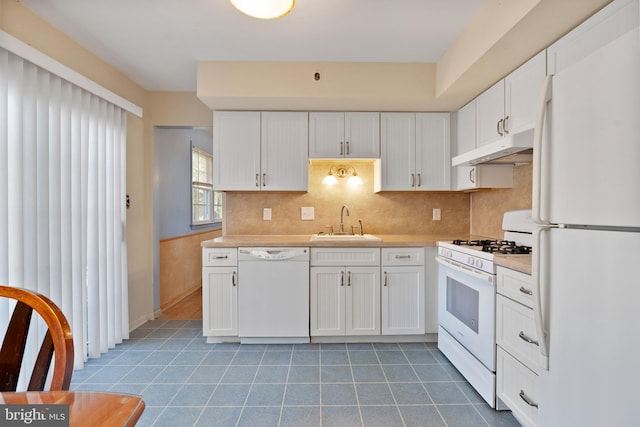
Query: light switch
x=307, y=213
x=266, y=214
x=436, y=214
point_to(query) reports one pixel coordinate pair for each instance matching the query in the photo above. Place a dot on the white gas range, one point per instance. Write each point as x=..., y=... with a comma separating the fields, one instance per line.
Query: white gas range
x=466, y=300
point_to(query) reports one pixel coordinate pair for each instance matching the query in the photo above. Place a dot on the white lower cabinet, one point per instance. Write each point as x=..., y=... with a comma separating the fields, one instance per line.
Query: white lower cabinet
x=517, y=340
x=345, y=291
x=219, y=293
x=403, y=291
x=517, y=388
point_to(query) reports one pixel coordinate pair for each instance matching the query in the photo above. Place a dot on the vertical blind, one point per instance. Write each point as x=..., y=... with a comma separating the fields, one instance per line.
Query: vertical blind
x=62, y=210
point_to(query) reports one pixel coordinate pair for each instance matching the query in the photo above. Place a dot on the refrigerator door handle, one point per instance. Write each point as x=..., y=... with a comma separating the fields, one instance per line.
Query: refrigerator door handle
x=539, y=278
x=538, y=134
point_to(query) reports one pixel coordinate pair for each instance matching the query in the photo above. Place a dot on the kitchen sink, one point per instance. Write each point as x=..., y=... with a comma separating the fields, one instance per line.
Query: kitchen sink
x=345, y=238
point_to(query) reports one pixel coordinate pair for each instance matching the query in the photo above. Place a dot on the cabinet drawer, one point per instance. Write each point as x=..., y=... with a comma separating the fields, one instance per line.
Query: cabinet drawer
x=402, y=256
x=515, y=327
x=515, y=285
x=345, y=256
x=517, y=385
x=219, y=257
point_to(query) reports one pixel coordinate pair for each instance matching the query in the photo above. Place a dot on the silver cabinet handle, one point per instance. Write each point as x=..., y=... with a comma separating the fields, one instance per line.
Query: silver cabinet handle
x=403, y=256
x=419, y=180
x=342, y=278
x=413, y=179
x=348, y=278
x=258, y=180
x=347, y=144
x=385, y=279
x=526, y=338
x=499, y=127
x=341, y=148
x=233, y=279
x=526, y=291
x=472, y=175
x=264, y=179
x=505, y=125
x=220, y=257
x=527, y=399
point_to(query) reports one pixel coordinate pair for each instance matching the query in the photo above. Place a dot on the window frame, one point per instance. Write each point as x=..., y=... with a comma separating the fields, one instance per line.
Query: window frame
x=206, y=185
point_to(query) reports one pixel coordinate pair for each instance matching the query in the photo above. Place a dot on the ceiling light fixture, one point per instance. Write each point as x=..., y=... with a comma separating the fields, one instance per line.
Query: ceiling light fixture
x=264, y=9
x=342, y=172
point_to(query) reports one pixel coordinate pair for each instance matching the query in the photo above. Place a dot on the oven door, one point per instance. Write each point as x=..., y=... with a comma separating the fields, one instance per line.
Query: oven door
x=466, y=309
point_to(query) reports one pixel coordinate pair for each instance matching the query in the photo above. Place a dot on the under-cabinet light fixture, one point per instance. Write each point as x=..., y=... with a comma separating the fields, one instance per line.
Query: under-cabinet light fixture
x=342, y=172
x=264, y=9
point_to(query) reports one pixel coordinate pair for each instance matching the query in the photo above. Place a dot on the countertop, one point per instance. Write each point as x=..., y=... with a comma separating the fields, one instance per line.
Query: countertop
x=520, y=263
x=387, y=240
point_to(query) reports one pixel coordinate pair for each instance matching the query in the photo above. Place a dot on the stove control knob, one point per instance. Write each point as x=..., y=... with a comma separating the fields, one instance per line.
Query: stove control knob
x=479, y=263
x=470, y=261
x=449, y=254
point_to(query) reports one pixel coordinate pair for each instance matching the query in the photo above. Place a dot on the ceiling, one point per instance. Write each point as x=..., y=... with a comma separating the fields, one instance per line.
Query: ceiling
x=157, y=43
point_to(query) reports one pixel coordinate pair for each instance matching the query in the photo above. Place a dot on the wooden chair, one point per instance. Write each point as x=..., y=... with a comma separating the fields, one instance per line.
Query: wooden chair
x=57, y=343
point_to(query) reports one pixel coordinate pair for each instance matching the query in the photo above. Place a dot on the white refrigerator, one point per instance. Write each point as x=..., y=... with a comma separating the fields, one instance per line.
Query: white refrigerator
x=586, y=256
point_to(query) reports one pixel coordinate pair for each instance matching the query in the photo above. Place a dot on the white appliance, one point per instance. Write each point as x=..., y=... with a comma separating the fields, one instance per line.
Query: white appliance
x=273, y=295
x=586, y=249
x=466, y=301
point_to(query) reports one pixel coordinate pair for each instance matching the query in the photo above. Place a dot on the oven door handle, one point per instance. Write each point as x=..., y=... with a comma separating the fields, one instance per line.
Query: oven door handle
x=463, y=269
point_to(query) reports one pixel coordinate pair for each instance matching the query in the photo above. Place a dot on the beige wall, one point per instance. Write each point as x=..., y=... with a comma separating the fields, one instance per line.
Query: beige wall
x=181, y=266
x=382, y=213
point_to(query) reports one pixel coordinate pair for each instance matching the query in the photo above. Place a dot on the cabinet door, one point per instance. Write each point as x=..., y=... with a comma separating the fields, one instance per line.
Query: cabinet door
x=522, y=90
x=465, y=141
x=403, y=300
x=362, y=301
x=326, y=135
x=433, y=152
x=466, y=128
x=515, y=385
x=285, y=151
x=327, y=301
x=219, y=301
x=236, y=150
x=397, y=151
x=489, y=111
x=362, y=135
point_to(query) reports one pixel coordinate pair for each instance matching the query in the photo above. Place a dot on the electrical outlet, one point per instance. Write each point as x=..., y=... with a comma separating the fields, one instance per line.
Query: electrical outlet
x=266, y=214
x=436, y=214
x=307, y=213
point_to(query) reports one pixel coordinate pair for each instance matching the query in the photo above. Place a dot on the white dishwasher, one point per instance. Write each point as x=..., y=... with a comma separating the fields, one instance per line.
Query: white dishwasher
x=273, y=295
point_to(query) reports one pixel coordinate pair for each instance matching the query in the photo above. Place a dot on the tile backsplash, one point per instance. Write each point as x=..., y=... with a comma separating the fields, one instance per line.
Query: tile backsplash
x=381, y=213
x=487, y=207
x=396, y=212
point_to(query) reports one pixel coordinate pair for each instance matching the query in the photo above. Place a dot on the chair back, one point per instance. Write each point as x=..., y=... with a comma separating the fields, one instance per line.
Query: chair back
x=57, y=344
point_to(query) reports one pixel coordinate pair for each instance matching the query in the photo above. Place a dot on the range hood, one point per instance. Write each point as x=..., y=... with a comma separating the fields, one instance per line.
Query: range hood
x=516, y=148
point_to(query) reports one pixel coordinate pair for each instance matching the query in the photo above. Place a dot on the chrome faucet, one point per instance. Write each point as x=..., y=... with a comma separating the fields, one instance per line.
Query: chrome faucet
x=341, y=228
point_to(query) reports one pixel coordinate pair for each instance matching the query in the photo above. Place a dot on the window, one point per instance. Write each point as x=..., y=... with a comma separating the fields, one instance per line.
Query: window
x=206, y=205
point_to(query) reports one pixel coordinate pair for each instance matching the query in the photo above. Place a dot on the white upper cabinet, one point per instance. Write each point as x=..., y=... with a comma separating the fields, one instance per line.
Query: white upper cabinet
x=284, y=154
x=466, y=128
x=335, y=135
x=480, y=176
x=508, y=107
x=255, y=151
x=414, y=152
x=236, y=150
x=433, y=151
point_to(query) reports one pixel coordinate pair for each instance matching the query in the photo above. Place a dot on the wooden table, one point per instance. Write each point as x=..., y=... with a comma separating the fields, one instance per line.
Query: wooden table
x=97, y=408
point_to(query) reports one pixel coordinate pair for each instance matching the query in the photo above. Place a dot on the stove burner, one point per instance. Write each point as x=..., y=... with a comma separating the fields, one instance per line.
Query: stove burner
x=495, y=246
